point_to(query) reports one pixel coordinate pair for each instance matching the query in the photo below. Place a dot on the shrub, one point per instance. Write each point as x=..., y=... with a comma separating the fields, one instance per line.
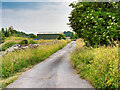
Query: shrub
x=96, y=22
x=32, y=36
x=61, y=36
x=6, y=45
x=24, y=42
x=32, y=42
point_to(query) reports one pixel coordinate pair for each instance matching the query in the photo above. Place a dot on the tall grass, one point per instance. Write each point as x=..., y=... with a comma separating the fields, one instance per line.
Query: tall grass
x=16, y=61
x=6, y=45
x=15, y=38
x=19, y=40
x=97, y=65
x=43, y=41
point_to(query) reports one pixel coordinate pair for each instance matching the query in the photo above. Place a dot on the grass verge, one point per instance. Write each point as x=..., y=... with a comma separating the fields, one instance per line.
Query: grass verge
x=20, y=40
x=97, y=65
x=14, y=62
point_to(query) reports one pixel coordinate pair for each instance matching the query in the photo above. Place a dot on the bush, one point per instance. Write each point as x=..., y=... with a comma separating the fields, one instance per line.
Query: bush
x=2, y=37
x=61, y=36
x=74, y=36
x=32, y=42
x=24, y=42
x=6, y=45
x=96, y=22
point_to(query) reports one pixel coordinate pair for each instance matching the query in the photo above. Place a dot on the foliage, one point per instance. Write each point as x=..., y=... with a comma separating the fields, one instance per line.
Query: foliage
x=96, y=22
x=61, y=36
x=20, y=34
x=16, y=61
x=67, y=33
x=97, y=65
x=2, y=37
x=32, y=42
x=32, y=36
x=6, y=32
x=24, y=42
x=18, y=40
x=74, y=36
x=6, y=45
x=10, y=32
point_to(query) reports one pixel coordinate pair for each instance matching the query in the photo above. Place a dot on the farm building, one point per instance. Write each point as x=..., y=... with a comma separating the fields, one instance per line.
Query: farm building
x=47, y=35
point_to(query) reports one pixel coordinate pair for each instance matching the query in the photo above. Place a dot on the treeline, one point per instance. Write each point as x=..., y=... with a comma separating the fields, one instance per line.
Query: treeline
x=70, y=34
x=67, y=33
x=7, y=32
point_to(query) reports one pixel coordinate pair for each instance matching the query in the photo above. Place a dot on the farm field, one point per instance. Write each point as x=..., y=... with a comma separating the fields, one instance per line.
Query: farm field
x=97, y=65
x=17, y=40
x=15, y=62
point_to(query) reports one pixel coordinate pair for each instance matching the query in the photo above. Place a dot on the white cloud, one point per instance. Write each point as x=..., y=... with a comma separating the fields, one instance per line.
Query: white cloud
x=49, y=18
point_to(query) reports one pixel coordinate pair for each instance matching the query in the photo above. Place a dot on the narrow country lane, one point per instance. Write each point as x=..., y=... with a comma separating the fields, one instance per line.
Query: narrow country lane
x=54, y=72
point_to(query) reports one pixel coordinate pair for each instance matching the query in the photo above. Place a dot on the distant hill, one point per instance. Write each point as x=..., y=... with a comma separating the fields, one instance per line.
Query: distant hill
x=7, y=32
x=20, y=34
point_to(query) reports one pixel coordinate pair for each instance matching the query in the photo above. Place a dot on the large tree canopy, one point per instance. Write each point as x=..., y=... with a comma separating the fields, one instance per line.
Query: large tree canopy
x=98, y=23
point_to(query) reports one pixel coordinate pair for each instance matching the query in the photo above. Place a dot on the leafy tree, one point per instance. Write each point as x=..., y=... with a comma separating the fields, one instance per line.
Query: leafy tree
x=96, y=22
x=3, y=31
x=2, y=37
x=67, y=33
x=61, y=36
x=6, y=33
x=11, y=30
x=74, y=36
x=32, y=36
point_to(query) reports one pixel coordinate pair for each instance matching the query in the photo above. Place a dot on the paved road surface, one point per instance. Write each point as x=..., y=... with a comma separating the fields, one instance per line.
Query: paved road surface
x=54, y=72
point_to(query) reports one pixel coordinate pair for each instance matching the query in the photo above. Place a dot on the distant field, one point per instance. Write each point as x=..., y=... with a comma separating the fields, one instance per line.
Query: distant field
x=16, y=40
x=97, y=65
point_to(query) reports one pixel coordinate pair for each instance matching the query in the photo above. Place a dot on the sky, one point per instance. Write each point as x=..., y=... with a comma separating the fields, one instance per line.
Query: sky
x=37, y=16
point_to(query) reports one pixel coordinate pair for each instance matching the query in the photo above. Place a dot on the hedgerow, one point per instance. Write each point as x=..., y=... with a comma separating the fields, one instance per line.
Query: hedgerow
x=98, y=23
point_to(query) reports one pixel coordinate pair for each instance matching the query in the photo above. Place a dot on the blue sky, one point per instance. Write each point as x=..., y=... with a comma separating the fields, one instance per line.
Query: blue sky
x=34, y=17
x=38, y=0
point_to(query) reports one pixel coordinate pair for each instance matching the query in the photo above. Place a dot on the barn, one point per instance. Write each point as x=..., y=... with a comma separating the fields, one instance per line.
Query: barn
x=47, y=35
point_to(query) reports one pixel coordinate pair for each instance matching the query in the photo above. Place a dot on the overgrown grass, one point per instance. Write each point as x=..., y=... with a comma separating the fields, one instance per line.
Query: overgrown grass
x=19, y=40
x=6, y=45
x=97, y=65
x=30, y=41
x=15, y=61
x=42, y=41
